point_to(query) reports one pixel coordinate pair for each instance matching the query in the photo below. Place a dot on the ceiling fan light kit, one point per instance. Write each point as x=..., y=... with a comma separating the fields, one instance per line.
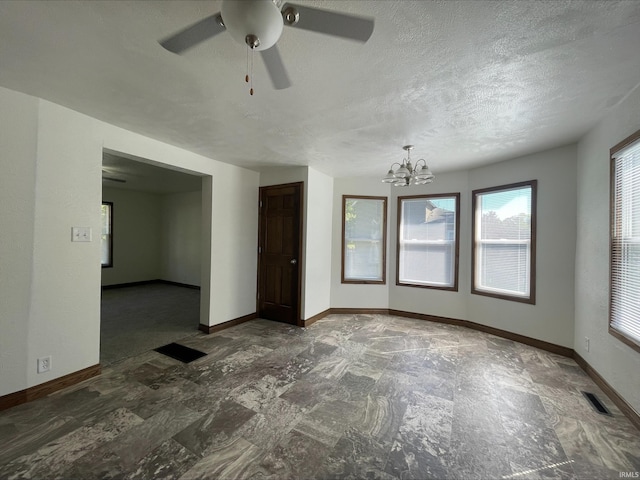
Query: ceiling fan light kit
x=256, y=19
x=259, y=25
x=408, y=174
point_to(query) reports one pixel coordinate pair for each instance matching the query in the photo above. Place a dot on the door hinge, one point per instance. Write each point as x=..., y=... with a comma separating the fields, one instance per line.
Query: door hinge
x=259, y=249
x=260, y=203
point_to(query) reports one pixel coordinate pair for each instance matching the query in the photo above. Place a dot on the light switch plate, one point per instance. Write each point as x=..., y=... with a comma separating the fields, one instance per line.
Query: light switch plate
x=81, y=234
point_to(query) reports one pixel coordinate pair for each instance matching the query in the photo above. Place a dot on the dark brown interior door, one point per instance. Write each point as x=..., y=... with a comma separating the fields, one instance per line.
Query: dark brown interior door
x=280, y=243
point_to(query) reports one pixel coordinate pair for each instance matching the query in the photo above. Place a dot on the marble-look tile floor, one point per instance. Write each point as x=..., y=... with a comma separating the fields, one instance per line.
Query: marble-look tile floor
x=352, y=396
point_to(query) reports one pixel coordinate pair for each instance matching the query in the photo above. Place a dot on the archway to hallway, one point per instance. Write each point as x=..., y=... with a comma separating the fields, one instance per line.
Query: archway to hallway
x=152, y=256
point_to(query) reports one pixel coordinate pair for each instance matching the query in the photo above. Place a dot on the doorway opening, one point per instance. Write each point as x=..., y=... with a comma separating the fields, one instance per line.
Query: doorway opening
x=153, y=243
x=279, y=253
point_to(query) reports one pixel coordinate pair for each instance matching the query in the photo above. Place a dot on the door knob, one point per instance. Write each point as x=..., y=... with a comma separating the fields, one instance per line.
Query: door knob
x=294, y=261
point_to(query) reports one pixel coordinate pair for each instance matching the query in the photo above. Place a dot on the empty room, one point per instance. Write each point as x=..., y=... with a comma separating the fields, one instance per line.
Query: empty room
x=407, y=232
x=151, y=268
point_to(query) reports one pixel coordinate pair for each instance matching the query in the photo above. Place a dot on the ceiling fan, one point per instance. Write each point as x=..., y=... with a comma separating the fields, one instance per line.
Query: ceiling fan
x=259, y=24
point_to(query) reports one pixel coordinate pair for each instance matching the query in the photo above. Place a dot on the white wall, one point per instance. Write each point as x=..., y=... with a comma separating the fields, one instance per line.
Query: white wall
x=63, y=313
x=65, y=292
x=18, y=134
x=155, y=237
x=441, y=303
x=234, y=237
x=551, y=318
x=317, y=265
x=206, y=239
x=181, y=237
x=614, y=360
x=282, y=175
x=137, y=236
x=357, y=295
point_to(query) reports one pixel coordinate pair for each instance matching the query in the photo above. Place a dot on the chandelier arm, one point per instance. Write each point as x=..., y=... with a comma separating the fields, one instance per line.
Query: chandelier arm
x=424, y=162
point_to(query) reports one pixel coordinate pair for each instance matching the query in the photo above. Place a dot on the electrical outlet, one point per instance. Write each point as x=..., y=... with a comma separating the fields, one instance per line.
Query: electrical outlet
x=587, y=343
x=44, y=364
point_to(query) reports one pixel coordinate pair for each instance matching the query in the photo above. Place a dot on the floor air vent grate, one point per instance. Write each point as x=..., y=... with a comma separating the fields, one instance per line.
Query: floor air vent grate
x=180, y=352
x=596, y=404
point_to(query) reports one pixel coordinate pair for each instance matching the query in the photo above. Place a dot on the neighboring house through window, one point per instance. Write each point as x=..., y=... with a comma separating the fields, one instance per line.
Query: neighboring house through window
x=428, y=241
x=106, y=236
x=364, y=227
x=504, y=241
x=624, y=305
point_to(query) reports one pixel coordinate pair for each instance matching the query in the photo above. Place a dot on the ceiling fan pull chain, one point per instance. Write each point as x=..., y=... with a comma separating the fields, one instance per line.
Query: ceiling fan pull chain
x=246, y=77
x=251, y=84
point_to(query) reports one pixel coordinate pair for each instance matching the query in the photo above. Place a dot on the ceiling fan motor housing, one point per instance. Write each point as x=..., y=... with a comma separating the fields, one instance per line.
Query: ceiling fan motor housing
x=259, y=24
x=259, y=19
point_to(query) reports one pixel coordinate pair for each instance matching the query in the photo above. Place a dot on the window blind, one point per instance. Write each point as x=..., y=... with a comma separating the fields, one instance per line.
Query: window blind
x=364, y=239
x=625, y=243
x=427, y=241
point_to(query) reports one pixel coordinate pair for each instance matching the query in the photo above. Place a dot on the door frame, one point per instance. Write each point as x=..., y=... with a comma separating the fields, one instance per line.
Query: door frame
x=261, y=190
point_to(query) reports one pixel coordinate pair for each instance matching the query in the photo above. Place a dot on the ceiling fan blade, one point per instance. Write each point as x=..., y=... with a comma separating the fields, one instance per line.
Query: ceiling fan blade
x=275, y=67
x=331, y=23
x=194, y=34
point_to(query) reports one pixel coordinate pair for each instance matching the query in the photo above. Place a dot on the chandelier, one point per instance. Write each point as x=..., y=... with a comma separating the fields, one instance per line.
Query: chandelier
x=407, y=174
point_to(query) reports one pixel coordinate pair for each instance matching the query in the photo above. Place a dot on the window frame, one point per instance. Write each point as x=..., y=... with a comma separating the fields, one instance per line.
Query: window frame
x=631, y=342
x=456, y=262
x=110, y=264
x=531, y=299
x=344, y=280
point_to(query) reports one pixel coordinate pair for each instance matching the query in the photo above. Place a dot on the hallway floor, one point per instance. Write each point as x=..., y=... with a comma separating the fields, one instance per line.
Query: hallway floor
x=139, y=318
x=348, y=397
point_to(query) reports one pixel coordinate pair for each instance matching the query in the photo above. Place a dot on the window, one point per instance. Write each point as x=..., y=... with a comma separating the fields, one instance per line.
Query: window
x=106, y=238
x=504, y=243
x=428, y=241
x=624, y=305
x=364, y=227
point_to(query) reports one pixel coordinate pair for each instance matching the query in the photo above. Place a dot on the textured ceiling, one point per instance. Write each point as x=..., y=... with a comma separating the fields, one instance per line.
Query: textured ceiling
x=467, y=82
x=132, y=174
